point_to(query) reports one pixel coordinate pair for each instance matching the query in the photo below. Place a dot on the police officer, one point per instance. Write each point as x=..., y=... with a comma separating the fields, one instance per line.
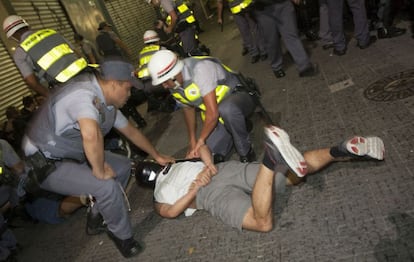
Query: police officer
x=278, y=19
x=67, y=136
x=180, y=20
x=157, y=97
x=252, y=35
x=206, y=84
x=41, y=54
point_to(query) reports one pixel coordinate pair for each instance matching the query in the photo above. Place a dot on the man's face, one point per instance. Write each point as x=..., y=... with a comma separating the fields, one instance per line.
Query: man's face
x=121, y=91
x=155, y=2
x=173, y=83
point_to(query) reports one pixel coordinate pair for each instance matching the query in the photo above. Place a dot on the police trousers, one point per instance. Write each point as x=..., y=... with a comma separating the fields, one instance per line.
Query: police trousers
x=234, y=109
x=74, y=179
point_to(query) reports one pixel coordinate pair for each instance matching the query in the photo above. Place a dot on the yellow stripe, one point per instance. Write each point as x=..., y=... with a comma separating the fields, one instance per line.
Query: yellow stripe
x=182, y=8
x=53, y=55
x=72, y=70
x=35, y=38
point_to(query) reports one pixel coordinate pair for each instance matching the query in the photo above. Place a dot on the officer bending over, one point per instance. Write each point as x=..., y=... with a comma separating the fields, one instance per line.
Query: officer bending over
x=205, y=83
x=66, y=138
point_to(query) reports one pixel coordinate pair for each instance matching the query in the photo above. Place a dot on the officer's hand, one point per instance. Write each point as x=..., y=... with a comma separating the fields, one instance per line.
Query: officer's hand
x=219, y=20
x=164, y=160
x=296, y=2
x=192, y=153
x=108, y=172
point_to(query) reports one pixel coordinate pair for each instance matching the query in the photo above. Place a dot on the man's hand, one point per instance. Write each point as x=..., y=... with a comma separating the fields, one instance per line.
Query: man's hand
x=202, y=179
x=296, y=2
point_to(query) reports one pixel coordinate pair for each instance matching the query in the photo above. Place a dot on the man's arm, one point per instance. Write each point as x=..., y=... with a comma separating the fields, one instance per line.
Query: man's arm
x=93, y=146
x=136, y=137
x=123, y=46
x=220, y=11
x=174, y=210
x=191, y=124
x=210, y=121
x=33, y=83
x=174, y=19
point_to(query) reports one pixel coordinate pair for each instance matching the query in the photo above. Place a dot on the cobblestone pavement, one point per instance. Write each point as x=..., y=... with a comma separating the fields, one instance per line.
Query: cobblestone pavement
x=350, y=211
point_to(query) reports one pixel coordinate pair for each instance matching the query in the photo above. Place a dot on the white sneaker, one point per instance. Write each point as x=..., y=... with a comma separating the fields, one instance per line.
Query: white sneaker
x=282, y=151
x=371, y=147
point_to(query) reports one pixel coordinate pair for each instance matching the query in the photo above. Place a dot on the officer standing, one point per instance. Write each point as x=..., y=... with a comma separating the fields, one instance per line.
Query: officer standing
x=252, y=35
x=67, y=134
x=180, y=20
x=42, y=55
x=278, y=17
x=206, y=84
x=109, y=44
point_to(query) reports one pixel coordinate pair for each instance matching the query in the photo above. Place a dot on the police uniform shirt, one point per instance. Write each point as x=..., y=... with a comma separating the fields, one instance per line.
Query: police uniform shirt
x=206, y=75
x=83, y=103
x=167, y=5
x=23, y=62
x=10, y=157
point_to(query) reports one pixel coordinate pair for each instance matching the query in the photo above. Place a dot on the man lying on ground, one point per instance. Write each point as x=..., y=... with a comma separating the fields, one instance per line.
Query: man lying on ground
x=241, y=194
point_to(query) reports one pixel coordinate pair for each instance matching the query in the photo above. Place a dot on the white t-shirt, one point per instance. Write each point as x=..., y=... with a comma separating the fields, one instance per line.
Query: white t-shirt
x=175, y=184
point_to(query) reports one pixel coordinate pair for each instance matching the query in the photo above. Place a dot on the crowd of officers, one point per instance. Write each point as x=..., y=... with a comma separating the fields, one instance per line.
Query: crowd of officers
x=90, y=92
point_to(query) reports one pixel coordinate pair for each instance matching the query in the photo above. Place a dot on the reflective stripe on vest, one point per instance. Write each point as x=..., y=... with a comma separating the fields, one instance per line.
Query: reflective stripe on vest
x=183, y=12
x=145, y=56
x=236, y=6
x=52, y=54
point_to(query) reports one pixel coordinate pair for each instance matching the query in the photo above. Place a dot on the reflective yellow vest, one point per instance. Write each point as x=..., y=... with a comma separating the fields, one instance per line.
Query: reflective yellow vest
x=144, y=57
x=190, y=94
x=53, y=55
x=236, y=6
x=184, y=13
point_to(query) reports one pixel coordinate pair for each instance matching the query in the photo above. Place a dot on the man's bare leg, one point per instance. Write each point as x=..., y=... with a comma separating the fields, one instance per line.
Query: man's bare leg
x=259, y=216
x=278, y=151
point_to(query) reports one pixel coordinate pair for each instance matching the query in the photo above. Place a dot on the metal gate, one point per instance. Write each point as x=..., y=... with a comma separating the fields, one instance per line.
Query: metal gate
x=39, y=14
x=13, y=88
x=131, y=19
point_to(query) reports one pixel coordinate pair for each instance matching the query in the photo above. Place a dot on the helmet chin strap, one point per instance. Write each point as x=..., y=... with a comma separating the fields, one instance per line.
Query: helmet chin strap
x=177, y=84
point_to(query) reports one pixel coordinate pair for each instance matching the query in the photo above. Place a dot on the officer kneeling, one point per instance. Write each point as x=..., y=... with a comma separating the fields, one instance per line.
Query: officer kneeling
x=208, y=85
x=68, y=133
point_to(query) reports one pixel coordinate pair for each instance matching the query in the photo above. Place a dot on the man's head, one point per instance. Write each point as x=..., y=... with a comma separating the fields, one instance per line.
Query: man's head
x=118, y=78
x=13, y=25
x=78, y=38
x=165, y=68
x=29, y=103
x=150, y=36
x=153, y=2
x=104, y=26
x=146, y=172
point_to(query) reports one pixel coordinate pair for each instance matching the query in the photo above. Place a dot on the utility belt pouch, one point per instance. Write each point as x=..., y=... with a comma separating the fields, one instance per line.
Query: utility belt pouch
x=248, y=85
x=7, y=177
x=41, y=168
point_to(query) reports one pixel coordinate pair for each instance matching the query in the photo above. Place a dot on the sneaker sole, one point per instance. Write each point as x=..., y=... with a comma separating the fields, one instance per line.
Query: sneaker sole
x=372, y=147
x=279, y=140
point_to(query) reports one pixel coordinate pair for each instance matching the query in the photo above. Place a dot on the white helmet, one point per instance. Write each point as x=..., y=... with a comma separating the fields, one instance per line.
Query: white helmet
x=150, y=36
x=164, y=65
x=13, y=23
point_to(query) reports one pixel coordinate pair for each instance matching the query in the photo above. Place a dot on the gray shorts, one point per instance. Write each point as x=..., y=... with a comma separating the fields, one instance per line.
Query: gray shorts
x=228, y=196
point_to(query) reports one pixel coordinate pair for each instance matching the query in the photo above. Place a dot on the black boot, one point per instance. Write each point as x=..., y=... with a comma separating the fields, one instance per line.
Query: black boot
x=250, y=157
x=95, y=223
x=128, y=247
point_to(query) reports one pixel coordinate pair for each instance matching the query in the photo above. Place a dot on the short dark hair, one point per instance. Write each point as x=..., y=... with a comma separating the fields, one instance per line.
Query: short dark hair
x=78, y=37
x=28, y=101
